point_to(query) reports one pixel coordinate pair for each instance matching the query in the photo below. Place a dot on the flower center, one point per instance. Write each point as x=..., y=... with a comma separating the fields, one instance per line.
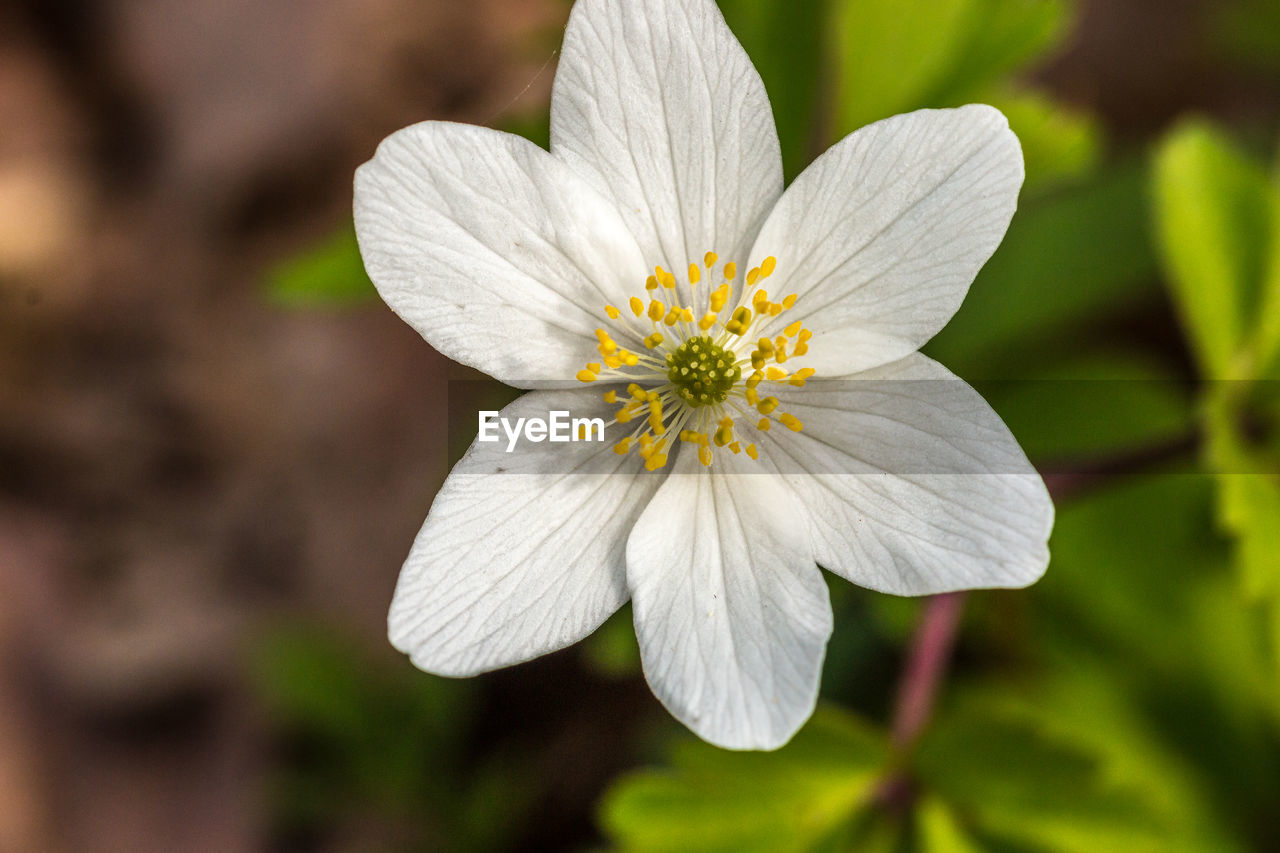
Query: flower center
x=702, y=371
x=685, y=376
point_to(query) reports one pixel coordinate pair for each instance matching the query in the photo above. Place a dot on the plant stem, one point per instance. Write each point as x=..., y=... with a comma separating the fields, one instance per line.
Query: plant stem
x=926, y=665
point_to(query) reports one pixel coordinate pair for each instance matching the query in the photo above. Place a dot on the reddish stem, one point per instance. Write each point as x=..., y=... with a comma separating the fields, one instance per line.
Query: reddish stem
x=926, y=664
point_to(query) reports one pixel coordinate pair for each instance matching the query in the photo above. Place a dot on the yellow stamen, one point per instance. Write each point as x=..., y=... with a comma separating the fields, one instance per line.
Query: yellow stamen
x=585, y=375
x=709, y=259
x=791, y=422
x=767, y=268
x=611, y=396
x=792, y=330
x=695, y=274
x=751, y=451
x=730, y=270
x=637, y=305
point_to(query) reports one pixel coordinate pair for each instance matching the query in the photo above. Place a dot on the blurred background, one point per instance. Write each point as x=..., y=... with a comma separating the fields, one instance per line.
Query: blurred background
x=216, y=445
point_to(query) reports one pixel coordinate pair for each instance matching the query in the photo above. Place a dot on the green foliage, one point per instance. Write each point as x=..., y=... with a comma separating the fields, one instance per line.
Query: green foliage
x=330, y=274
x=779, y=37
x=1215, y=214
x=376, y=741
x=802, y=797
x=893, y=57
x=1068, y=257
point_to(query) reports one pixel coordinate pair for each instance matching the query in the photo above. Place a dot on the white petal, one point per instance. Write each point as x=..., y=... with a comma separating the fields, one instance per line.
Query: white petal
x=731, y=612
x=659, y=105
x=912, y=484
x=522, y=553
x=883, y=234
x=495, y=251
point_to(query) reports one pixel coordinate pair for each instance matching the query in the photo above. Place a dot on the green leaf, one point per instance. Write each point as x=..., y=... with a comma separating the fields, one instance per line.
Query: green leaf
x=779, y=36
x=1067, y=257
x=612, y=650
x=893, y=56
x=1091, y=405
x=1001, y=37
x=1059, y=145
x=1213, y=213
x=794, y=799
x=1016, y=781
x=329, y=275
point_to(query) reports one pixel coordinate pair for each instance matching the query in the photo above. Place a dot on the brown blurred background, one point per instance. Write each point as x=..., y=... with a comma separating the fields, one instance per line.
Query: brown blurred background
x=184, y=464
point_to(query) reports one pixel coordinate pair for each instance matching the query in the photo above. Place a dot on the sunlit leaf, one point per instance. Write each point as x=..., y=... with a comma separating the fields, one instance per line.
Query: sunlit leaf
x=1213, y=212
x=713, y=800
x=1059, y=145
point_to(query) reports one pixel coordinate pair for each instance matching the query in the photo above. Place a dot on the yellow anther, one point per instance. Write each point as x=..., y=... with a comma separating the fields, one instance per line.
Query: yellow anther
x=665, y=278
x=585, y=375
x=695, y=274
x=637, y=392
x=754, y=379
x=709, y=258
x=730, y=270
x=637, y=305
x=763, y=425
x=741, y=321
x=611, y=396
x=753, y=396
x=652, y=396
x=656, y=310
x=686, y=314
x=626, y=413
x=801, y=348
x=704, y=455
x=753, y=275
x=765, y=346
x=776, y=374
x=629, y=358
x=724, y=434
x=673, y=316
x=735, y=447
x=751, y=451
x=760, y=301
x=775, y=308
x=791, y=422
x=653, y=340
x=612, y=312
x=656, y=461
x=757, y=360
x=607, y=346
x=805, y=373
x=769, y=265
x=790, y=300
x=612, y=361
x=623, y=446
x=650, y=283
x=719, y=297
x=708, y=320
x=792, y=330
x=767, y=405
x=593, y=367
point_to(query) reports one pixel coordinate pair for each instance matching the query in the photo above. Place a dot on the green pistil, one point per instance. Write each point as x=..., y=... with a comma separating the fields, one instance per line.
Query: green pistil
x=702, y=372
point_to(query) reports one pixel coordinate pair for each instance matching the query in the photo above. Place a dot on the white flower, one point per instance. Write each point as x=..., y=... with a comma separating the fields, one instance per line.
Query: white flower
x=527, y=265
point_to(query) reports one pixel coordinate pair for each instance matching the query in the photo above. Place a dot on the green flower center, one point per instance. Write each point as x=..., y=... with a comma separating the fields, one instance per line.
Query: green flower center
x=702, y=371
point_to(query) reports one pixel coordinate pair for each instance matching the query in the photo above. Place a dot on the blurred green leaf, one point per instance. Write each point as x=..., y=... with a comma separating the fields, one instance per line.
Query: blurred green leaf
x=1012, y=779
x=612, y=650
x=794, y=799
x=893, y=57
x=779, y=36
x=1090, y=405
x=1059, y=145
x=329, y=275
x=1213, y=213
x=1067, y=257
